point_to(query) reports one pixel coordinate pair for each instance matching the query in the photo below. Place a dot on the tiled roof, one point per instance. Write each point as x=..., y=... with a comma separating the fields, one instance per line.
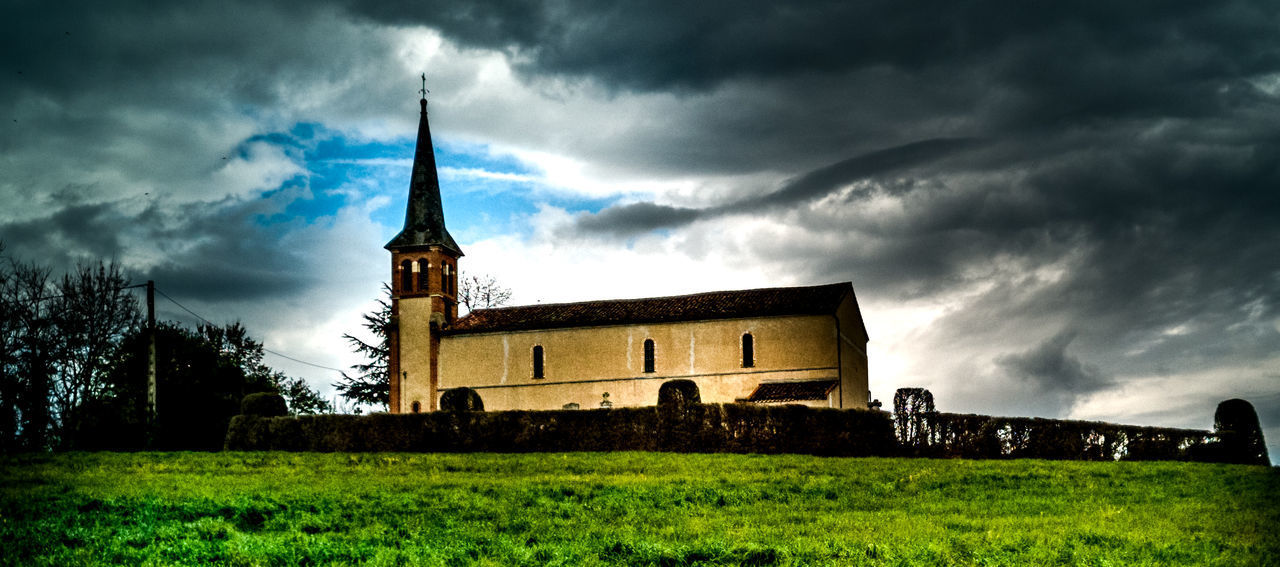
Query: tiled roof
x=812, y=300
x=792, y=391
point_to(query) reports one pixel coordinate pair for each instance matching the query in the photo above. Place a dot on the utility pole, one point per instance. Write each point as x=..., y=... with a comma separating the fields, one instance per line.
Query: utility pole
x=151, y=354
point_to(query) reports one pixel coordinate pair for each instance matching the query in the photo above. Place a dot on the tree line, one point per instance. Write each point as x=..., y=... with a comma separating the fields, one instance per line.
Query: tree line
x=73, y=367
x=74, y=357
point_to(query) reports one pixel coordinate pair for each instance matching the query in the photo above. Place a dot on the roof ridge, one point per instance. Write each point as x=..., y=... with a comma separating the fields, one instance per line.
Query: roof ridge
x=681, y=296
x=722, y=304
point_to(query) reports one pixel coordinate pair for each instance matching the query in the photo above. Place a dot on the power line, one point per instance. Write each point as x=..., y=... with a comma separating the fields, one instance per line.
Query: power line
x=264, y=349
x=206, y=321
x=184, y=308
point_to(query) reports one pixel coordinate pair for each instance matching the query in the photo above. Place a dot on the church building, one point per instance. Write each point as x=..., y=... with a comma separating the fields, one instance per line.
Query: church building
x=804, y=345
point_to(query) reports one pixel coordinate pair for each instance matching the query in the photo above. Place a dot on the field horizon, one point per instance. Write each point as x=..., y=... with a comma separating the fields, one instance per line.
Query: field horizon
x=628, y=509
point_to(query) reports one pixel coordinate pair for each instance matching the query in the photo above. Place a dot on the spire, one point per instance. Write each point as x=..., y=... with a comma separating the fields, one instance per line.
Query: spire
x=424, y=217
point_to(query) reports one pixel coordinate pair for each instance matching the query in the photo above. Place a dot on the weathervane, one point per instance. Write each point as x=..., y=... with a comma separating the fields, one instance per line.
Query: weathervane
x=424, y=90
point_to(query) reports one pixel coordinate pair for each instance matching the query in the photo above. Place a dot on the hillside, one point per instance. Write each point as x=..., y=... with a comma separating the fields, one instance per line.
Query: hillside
x=628, y=509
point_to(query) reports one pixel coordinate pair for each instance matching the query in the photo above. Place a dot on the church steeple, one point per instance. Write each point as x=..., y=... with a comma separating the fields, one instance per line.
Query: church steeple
x=424, y=285
x=424, y=217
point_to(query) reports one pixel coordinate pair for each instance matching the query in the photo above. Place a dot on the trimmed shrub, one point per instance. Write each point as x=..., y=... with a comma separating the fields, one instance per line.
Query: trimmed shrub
x=1235, y=423
x=679, y=393
x=461, y=399
x=266, y=404
x=913, y=414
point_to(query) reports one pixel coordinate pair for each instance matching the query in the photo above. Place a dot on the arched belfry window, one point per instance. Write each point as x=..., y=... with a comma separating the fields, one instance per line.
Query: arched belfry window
x=406, y=276
x=748, y=350
x=446, y=282
x=648, y=355
x=424, y=268
x=537, y=362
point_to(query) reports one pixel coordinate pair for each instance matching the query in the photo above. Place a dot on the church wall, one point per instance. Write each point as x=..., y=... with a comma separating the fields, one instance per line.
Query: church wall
x=854, y=393
x=581, y=364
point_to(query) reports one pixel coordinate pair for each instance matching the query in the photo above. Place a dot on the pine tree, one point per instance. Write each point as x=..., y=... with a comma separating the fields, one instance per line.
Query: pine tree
x=371, y=385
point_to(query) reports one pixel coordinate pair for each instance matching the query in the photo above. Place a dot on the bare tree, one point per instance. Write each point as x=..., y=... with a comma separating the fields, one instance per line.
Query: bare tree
x=93, y=315
x=57, y=341
x=26, y=355
x=482, y=292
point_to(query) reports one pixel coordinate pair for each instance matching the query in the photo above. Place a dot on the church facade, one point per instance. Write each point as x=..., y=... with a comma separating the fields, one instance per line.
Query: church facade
x=802, y=345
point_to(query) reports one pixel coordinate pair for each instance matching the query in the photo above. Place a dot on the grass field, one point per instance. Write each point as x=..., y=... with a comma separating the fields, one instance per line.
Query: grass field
x=628, y=509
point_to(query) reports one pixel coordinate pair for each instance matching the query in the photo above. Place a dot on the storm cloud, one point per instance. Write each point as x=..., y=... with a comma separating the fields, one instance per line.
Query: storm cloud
x=639, y=217
x=1048, y=368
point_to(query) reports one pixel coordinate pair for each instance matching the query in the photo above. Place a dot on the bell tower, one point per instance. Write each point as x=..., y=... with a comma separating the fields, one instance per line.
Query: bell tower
x=424, y=284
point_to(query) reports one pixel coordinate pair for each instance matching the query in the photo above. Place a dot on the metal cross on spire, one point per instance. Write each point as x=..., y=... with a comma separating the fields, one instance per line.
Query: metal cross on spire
x=424, y=90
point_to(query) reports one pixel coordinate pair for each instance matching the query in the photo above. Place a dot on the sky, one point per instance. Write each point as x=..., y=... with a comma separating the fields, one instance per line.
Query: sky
x=1062, y=210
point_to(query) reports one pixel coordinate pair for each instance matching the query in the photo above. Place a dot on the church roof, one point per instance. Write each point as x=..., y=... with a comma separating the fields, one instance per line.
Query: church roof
x=424, y=216
x=811, y=300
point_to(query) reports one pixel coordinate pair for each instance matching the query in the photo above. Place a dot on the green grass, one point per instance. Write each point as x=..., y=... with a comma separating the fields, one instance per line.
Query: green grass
x=628, y=509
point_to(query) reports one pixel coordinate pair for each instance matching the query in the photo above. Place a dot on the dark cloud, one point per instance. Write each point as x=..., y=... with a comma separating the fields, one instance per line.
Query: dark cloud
x=635, y=218
x=837, y=79
x=211, y=52
x=123, y=98
x=658, y=46
x=146, y=134
x=223, y=280
x=217, y=251
x=67, y=235
x=831, y=178
x=1157, y=256
x=1047, y=367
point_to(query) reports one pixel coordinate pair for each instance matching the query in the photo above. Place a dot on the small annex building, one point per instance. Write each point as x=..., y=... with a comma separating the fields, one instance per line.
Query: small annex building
x=803, y=345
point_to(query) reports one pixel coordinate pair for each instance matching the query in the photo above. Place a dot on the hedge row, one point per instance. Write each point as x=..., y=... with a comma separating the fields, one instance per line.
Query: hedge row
x=989, y=437
x=732, y=428
x=680, y=424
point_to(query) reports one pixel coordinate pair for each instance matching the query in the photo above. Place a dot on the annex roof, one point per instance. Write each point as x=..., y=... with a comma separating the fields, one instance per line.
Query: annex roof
x=810, y=300
x=792, y=391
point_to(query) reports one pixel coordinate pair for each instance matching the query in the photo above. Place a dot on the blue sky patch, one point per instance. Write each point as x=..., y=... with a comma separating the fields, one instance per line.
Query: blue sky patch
x=484, y=193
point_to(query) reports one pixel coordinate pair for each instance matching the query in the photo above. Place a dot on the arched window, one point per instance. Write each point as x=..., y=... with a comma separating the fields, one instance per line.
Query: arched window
x=424, y=268
x=648, y=355
x=406, y=276
x=417, y=407
x=537, y=361
x=748, y=350
x=444, y=279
